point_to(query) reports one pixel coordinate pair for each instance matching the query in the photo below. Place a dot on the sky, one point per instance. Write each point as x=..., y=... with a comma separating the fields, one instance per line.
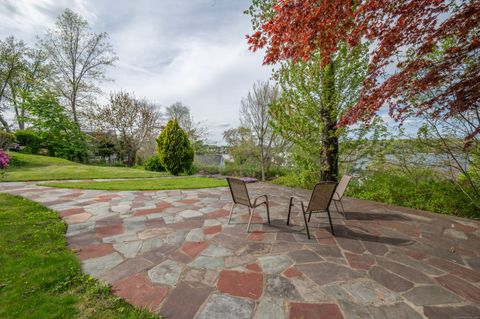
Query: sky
x=193, y=51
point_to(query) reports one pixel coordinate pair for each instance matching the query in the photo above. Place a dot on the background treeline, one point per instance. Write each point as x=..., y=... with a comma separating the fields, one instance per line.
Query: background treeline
x=49, y=101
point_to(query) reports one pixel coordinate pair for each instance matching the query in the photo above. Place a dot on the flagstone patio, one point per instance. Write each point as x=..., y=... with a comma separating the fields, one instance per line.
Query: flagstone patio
x=174, y=253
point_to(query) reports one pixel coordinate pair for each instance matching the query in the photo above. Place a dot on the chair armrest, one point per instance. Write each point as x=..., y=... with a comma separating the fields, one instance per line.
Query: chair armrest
x=296, y=198
x=264, y=201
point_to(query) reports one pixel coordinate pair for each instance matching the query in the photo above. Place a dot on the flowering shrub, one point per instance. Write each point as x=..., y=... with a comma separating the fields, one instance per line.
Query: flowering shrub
x=4, y=160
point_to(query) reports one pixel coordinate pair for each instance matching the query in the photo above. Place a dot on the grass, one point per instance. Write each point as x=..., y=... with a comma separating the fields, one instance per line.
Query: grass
x=164, y=183
x=422, y=189
x=40, y=277
x=26, y=167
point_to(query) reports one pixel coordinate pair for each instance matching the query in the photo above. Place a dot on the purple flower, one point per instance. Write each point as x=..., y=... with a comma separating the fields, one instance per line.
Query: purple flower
x=4, y=159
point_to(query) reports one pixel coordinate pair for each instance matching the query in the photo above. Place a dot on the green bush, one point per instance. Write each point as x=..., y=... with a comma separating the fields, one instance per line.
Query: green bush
x=15, y=161
x=6, y=139
x=421, y=189
x=174, y=149
x=30, y=140
x=154, y=164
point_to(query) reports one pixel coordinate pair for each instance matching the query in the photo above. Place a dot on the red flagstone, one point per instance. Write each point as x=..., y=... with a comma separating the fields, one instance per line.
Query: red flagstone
x=360, y=261
x=93, y=251
x=464, y=228
x=414, y=253
x=256, y=236
x=180, y=257
x=193, y=248
x=110, y=230
x=314, y=311
x=212, y=230
x=292, y=272
x=460, y=287
x=241, y=284
x=140, y=291
x=188, y=201
x=71, y=211
x=218, y=214
x=455, y=269
x=254, y=267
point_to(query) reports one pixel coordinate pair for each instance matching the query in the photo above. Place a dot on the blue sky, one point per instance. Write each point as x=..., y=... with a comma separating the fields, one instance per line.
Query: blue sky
x=192, y=51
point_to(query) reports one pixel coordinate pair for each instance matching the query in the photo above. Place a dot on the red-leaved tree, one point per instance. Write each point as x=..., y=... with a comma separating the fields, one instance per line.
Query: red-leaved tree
x=403, y=36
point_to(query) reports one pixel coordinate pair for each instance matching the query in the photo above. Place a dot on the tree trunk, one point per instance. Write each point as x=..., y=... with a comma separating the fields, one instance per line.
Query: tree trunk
x=328, y=112
x=5, y=124
x=73, y=102
x=262, y=159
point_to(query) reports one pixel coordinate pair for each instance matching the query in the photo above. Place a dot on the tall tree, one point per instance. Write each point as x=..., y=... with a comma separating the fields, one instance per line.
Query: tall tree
x=313, y=99
x=79, y=58
x=297, y=29
x=132, y=119
x=12, y=56
x=196, y=131
x=31, y=78
x=254, y=114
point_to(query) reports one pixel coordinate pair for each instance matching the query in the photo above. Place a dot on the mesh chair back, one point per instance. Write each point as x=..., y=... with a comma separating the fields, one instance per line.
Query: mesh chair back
x=321, y=196
x=342, y=187
x=239, y=191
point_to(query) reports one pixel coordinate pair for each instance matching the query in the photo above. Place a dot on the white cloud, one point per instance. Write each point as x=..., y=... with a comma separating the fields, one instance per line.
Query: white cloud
x=29, y=18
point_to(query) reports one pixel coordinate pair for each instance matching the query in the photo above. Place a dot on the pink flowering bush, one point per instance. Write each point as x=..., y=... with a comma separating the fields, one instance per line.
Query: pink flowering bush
x=4, y=160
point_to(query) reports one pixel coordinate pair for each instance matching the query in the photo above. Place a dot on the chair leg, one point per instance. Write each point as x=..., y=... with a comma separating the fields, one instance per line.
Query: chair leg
x=289, y=210
x=305, y=220
x=251, y=212
x=343, y=209
x=309, y=216
x=336, y=207
x=268, y=211
x=231, y=211
x=330, y=220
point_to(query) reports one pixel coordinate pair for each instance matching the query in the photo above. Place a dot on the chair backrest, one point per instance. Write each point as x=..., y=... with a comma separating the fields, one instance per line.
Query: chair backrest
x=342, y=187
x=321, y=196
x=238, y=188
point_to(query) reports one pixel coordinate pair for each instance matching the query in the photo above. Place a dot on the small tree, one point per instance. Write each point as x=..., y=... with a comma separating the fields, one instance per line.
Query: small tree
x=61, y=135
x=174, y=149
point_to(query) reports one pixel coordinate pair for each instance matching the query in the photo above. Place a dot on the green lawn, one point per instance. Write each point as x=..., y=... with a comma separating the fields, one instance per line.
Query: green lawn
x=40, y=277
x=40, y=168
x=183, y=182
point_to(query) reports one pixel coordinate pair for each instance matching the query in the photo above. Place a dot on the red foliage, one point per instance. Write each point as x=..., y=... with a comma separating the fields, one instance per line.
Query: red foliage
x=300, y=27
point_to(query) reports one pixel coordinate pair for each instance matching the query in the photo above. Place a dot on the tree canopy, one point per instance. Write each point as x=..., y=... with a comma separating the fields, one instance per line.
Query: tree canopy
x=403, y=33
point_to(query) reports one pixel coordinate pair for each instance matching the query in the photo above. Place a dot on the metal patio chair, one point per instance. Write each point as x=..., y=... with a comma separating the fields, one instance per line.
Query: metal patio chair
x=340, y=191
x=319, y=203
x=239, y=192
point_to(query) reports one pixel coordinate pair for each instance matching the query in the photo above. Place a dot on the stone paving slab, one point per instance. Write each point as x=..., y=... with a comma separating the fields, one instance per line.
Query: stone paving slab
x=160, y=248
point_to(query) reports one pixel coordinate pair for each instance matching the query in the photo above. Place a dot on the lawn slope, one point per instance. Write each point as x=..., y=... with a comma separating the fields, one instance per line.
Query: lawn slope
x=40, y=168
